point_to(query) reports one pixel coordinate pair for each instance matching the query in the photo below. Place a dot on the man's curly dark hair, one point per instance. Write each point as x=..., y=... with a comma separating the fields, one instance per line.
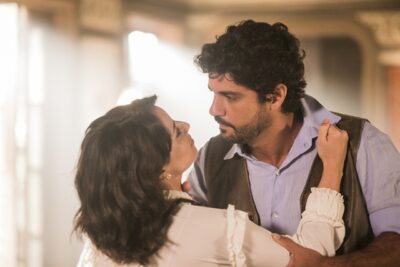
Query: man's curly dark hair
x=259, y=56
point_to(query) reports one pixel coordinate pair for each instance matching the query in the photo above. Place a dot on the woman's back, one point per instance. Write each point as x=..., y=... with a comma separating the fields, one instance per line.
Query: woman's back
x=208, y=237
x=205, y=237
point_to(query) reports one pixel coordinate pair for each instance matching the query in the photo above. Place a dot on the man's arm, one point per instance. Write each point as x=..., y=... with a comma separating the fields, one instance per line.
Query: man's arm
x=384, y=251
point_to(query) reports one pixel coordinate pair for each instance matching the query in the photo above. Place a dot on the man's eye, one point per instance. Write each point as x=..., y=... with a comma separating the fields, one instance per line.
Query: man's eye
x=231, y=97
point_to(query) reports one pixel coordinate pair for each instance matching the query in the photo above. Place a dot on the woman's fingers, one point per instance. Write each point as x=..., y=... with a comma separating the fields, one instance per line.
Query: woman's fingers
x=331, y=143
x=337, y=134
x=327, y=130
x=323, y=130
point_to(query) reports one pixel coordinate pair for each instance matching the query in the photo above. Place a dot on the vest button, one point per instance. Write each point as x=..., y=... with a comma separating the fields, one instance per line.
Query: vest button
x=251, y=217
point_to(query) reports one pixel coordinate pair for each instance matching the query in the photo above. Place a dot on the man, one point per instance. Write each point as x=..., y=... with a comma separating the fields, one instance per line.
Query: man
x=265, y=162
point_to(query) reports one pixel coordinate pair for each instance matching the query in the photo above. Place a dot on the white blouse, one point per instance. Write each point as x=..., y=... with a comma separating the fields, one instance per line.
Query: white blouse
x=208, y=237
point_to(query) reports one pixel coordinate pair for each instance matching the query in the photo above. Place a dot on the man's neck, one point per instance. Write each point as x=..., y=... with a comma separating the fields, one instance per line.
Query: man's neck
x=274, y=143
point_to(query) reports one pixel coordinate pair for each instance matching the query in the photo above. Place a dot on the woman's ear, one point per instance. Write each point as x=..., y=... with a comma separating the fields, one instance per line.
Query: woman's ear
x=278, y=96
x=165, y=175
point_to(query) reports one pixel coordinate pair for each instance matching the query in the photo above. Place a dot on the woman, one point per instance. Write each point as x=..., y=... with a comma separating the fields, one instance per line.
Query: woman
x=134, y=213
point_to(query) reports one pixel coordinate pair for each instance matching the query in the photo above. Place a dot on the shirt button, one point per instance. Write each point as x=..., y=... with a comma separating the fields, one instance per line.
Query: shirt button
x=275, y=215
x=277, y=172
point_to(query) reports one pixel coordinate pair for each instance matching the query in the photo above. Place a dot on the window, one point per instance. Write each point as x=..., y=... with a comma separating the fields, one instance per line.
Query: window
x=21, y=97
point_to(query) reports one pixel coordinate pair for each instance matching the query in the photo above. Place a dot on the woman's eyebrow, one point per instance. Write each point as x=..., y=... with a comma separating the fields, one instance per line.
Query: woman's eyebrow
x=173, y=127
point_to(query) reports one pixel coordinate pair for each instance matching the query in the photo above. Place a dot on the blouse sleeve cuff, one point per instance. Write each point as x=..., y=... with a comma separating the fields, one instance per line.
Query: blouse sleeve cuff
x=236, y=225
x=324, y=211
x=325, y=204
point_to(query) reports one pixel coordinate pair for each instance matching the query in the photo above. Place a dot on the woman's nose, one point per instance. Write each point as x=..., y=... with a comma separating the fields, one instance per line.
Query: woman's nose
x=183, y=126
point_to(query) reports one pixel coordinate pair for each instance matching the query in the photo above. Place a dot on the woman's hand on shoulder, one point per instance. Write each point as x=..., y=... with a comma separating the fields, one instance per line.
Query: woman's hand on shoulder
x=332, y=146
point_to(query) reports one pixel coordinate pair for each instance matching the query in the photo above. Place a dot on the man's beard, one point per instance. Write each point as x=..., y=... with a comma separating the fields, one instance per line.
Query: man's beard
x=247, y=133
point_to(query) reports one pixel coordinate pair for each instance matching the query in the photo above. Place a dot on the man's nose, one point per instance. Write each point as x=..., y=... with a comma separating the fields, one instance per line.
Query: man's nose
x=216, y=108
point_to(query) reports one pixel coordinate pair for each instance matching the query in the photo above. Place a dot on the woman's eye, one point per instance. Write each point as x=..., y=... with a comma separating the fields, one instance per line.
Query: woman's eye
x=178, y=132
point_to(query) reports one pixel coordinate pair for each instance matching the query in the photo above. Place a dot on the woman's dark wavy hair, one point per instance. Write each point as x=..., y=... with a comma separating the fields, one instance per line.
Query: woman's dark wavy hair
x=259, y=56
x=123, y=210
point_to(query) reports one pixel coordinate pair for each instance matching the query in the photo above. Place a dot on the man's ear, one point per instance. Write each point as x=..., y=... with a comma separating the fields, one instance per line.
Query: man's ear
x=278, y=96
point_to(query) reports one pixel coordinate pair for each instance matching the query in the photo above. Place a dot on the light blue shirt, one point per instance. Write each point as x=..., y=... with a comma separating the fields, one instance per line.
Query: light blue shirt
x=276, y=191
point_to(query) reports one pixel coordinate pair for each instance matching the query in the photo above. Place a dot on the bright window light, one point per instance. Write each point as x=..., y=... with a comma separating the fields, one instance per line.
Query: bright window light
x=143, y=52
x=166, y=70
x=36, y=68
x=8, y=50
x=8, y=67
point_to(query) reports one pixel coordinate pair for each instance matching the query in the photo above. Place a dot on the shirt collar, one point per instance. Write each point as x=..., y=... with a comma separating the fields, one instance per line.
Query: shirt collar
x=308, y=132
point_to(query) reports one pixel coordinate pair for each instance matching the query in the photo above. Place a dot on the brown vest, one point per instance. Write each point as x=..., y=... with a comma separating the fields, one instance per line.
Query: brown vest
x=228, y=183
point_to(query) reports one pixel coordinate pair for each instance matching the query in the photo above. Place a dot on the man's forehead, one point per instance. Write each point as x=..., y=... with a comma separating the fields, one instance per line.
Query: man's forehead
x=220, y=76
x=226, y=85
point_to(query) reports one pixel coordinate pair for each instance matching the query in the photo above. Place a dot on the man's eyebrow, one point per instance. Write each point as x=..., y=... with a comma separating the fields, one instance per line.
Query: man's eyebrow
x=230, y=92
x=225, y=92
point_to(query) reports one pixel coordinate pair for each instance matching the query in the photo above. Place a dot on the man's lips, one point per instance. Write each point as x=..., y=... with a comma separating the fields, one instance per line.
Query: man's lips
x=222, y=122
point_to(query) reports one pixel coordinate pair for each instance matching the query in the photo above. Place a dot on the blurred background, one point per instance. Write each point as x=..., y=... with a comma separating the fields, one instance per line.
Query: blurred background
x=65, y=62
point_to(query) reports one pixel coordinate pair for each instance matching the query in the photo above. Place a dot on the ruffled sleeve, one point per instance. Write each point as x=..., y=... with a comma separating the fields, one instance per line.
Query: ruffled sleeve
x=236, y=225
x=321, y=227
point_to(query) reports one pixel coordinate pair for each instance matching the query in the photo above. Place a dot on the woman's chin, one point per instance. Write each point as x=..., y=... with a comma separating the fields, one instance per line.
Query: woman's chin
x=194, y=155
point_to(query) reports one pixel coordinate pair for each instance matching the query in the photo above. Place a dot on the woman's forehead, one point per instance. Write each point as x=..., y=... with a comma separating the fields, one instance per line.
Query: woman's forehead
x=164, y=118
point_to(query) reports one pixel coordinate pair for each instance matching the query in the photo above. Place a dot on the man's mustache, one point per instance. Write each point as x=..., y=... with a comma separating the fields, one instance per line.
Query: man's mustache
x=224, y=122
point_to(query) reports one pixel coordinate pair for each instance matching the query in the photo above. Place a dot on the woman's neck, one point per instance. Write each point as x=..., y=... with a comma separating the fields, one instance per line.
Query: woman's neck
x=174, y=183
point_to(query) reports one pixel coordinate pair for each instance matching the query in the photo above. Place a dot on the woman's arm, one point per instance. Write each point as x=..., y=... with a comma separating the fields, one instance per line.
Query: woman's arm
x=321, y=227
x=331, y=147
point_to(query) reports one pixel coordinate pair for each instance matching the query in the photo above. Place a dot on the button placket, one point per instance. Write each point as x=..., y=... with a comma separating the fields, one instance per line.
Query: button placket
x=274, y=214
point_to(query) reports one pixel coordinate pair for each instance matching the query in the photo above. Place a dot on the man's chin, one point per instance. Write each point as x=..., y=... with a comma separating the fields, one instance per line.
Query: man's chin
x=224, y=133
x=228, y=136
x=233, y=138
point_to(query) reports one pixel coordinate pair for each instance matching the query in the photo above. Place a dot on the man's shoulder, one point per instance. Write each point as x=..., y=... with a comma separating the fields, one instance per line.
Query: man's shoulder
x=352, y=124
x=347, y=117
